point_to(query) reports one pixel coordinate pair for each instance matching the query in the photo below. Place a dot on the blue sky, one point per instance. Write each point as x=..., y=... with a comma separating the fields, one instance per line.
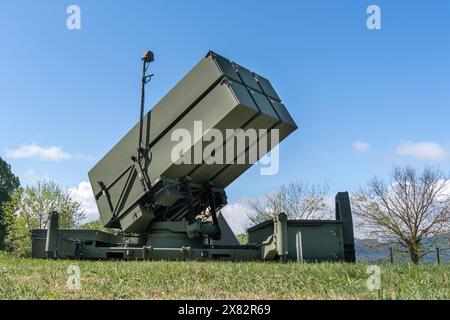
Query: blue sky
x=78, y=90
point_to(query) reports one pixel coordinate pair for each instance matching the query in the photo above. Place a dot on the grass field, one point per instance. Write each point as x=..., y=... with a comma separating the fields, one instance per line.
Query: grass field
x=41, y=279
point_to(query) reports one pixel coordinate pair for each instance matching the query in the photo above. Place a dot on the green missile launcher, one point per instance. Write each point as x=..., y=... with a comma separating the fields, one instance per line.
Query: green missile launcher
x=218, y=94
x=164, y=181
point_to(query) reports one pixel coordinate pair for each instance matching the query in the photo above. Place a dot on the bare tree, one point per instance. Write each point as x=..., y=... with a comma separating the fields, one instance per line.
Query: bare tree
x=408, y=209
x=299, y=200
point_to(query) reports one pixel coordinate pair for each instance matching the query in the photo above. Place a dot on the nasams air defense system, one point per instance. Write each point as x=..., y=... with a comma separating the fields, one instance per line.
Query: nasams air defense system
x=169, y=208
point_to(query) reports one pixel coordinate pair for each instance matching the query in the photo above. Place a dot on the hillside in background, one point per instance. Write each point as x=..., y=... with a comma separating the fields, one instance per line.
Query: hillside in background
x=373, y=251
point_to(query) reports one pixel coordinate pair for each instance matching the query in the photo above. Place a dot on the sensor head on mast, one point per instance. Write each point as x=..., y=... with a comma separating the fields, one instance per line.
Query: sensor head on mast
x=148, y=56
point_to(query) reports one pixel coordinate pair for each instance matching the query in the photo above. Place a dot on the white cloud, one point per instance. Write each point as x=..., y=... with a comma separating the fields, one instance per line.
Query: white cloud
x=422, y=150
x=236, y=215
x=83, y=193
x=34, y=151
x=361, y=146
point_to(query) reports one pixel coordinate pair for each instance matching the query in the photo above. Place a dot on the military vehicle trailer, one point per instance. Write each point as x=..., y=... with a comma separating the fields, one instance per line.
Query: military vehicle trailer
x=170, y=208
x=276, y=239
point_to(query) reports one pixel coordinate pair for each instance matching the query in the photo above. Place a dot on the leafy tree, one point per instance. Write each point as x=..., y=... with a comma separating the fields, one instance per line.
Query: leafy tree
x=406, y=210
x=17, y=238
x=8, y=184
x=299, y=200
x=28, y=209
x=242, y=238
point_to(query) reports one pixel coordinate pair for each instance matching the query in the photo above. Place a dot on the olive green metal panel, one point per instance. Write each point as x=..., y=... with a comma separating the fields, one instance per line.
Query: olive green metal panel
x=67, y=239
x=268, y=118
x=137, y=220
x=51, y=244
x=247, y=78
x=176, y=254
x=99, y=245
x=322, y=239
x=196, y=83
x=229, y=173
x=212, y=171
x=285, y=126
x=344, y=214
x=284, y=114
x=39, y=238
x=266, y=87
x=226, y=106
x=264, y=105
